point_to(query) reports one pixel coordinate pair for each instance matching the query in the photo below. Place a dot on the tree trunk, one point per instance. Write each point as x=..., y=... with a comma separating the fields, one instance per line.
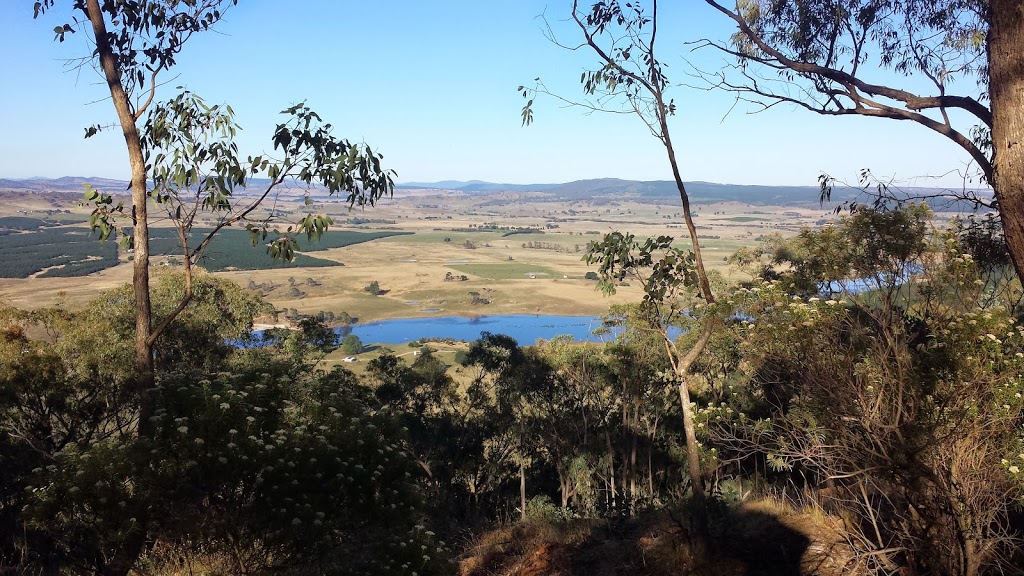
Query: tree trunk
x=1006, y=86
x=623, y=443
x=634, y=447
x=692, y=457
x=611, y=468
x=144, y=376
x=522, y=491
x=140, y=220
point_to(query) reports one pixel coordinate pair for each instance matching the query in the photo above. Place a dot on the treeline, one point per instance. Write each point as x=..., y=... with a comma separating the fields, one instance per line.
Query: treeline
x=551, y=246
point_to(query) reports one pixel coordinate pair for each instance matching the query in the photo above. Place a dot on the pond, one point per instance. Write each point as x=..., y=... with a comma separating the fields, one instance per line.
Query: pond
x=526, y=329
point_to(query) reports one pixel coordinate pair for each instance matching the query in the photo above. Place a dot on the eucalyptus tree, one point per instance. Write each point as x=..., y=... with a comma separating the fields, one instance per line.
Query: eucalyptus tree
x=950, y=66
x=629, y=78
x=182, y=154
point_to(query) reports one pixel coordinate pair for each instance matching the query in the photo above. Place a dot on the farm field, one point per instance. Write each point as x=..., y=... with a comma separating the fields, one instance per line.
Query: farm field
x=409, y=245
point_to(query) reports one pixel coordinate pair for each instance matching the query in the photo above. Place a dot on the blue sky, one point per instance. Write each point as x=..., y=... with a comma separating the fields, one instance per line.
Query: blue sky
x=432, y=85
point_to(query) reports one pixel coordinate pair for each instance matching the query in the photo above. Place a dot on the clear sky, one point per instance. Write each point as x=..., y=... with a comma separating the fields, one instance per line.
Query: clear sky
x=432, y=85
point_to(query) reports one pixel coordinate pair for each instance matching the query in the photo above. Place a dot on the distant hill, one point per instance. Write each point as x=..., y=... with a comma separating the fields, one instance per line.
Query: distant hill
x=476, y=186
x=63, y=184
x=600, y=189
x=76, y=184
x=618, y=188
x=664, y=190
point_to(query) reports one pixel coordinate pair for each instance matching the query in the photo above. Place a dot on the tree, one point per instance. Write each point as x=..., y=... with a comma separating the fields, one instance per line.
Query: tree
x=373, y=288
x=629, y=78
x=183, y=157
x=351, y=344
x=505, y=390
x=966, y=53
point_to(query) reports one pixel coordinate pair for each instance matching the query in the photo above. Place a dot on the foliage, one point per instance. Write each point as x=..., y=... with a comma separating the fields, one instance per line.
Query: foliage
x=373, y=288
x=351, y=344
x=199, y=170
x=870, y=250
x=253, y=455
x=936, y=50
x=900, y=401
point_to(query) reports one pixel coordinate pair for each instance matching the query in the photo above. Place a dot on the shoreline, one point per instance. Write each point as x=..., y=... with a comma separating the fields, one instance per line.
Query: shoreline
x=389, y=318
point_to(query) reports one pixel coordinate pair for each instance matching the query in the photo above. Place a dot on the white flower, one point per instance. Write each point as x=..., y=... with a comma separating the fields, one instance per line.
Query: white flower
x=1014, y=470
x=183, y=429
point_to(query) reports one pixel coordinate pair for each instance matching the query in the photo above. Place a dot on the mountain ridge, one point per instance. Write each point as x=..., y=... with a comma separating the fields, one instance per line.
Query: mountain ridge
x=605, y=189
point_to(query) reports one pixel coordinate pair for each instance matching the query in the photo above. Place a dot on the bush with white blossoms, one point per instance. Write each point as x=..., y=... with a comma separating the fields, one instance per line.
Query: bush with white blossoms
x=265, y=462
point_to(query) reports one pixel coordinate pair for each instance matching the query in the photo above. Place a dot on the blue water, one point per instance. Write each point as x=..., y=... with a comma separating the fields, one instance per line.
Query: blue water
x=526, y=329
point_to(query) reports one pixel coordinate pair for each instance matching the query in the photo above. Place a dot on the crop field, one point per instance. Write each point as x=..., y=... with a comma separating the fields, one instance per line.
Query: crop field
x=54, y=252
x=30, y=248
x=9, y=224
x=234, y=250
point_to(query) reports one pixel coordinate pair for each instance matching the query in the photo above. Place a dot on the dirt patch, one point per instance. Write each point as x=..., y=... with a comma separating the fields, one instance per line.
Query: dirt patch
x=756, y=540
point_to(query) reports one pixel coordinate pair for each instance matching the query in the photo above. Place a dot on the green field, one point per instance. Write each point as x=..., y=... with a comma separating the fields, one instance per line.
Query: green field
x=234, y=249
x=10, y=224
x=502, y=271
x=74, y=250
x=456, y=238
x=744, y=219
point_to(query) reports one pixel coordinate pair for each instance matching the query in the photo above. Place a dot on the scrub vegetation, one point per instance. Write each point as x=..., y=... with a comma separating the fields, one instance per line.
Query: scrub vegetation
x=836, y=398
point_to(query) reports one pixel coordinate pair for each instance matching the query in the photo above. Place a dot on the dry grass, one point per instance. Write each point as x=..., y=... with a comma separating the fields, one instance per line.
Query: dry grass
x=763, y=537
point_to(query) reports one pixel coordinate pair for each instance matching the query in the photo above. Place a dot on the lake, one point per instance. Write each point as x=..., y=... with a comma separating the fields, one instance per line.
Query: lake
x=526, y=329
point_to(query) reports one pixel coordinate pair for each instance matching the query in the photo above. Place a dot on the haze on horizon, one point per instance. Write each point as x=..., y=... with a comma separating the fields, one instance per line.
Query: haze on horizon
x=433, y=87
